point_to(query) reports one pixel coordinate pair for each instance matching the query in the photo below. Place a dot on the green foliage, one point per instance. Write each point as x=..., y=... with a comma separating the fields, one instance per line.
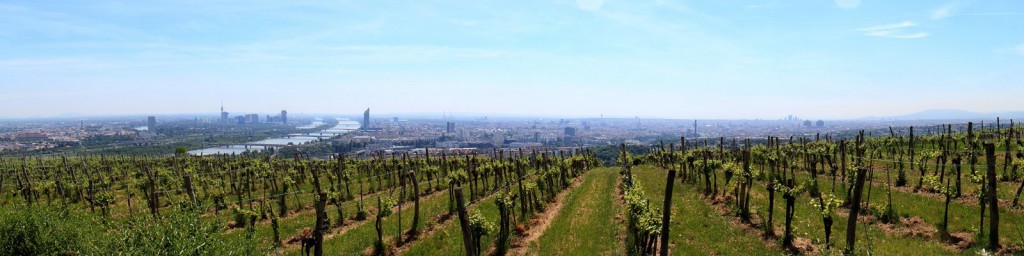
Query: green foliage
x=611, y=155
x=386, y=203
x=644, y=222
x=480, y=225
x=242, y=217
x=45, y=231
x=828, y=204
x=180, y=233
x=361, y=213
x=53, y=231
x=456, y=177
x=932, y=184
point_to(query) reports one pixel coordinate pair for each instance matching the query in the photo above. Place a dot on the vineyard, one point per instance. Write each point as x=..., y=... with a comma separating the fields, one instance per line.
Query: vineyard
x=943, y=191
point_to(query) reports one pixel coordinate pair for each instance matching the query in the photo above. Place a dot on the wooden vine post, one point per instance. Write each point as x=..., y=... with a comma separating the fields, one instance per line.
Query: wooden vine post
x=415, y=229
x=467, y=231
x=790, y=197
x=993, y=232
x=666, y=214
x=851, y=224
x=321, y=215
x=321, y=224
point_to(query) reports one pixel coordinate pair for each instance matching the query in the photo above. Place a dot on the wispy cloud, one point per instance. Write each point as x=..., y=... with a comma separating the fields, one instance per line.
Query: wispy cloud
x=988, y=14
x=848, y=4
x=590, y=5
x=894, y=30
x=892, y=34
x=1019, y=49
x=892, y=26
x=943, y=11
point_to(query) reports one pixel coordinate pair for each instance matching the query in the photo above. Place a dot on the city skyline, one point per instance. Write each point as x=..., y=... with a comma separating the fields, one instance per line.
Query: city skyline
x=842, y=59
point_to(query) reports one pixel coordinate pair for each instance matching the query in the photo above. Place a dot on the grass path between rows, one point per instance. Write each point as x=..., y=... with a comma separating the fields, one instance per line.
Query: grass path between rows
x=586, y=224
x=445, y=238
x=696, y=227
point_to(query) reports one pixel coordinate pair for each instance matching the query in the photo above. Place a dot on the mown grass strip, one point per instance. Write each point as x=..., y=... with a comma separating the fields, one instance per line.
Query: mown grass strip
x=697, y=228
x=586, y=224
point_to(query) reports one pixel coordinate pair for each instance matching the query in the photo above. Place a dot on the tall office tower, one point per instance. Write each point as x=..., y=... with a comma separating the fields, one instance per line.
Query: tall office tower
x=366, y=120
x=151, y=124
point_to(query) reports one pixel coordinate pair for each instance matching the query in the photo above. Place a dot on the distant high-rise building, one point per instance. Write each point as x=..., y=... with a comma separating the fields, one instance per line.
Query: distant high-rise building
x=252, y=118
x=284, y=117
x=223, y=115
x=570, y=131
x=450, y=128
x=820, y=123
x=366, y=120
x=151, y=124
x=807, y=123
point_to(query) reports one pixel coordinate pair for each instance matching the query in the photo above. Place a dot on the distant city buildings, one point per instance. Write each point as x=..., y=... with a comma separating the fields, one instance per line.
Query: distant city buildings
x=366, y=119
x=31, y=137
x=820, y=123
x=252, y=118
x=151, y=124
x=223, y=114
x=570, y=132
x=282, y=118
x=450, y=128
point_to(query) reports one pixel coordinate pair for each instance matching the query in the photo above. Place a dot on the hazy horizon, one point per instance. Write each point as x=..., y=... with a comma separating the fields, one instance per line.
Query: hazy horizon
x=944, y=114
x=843, y=59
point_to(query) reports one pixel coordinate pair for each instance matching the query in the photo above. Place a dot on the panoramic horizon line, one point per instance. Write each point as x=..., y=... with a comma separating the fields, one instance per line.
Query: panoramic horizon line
x=465, y=115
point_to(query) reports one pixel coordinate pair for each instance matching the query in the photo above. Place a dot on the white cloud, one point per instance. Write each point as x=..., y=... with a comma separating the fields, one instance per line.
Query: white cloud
x=892, y=26
x=894, y=30
x=896, y=34
x=848, y=4
x=590, y=5
x=942, y=12
x=989, y=14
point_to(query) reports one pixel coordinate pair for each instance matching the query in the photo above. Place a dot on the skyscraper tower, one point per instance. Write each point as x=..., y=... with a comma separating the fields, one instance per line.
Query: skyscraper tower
x=223, y=115
x=151, y=124
x=366, y=119
x=284, y=116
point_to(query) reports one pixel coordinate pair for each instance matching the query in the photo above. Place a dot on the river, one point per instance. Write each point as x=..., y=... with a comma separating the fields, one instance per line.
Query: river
x=344, y=126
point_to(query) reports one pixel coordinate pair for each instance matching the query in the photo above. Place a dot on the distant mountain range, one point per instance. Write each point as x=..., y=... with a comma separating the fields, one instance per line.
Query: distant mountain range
x=953, y=114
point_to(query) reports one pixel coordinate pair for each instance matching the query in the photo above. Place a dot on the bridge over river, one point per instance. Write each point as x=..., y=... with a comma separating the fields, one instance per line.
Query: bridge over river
x=344, y=126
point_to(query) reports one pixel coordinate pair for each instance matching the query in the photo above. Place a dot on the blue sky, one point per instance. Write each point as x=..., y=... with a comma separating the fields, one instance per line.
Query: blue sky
x=672, y=59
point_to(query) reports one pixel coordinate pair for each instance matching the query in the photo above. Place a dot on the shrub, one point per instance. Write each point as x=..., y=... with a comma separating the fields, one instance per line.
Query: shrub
x=178, y=233
x=45, y=231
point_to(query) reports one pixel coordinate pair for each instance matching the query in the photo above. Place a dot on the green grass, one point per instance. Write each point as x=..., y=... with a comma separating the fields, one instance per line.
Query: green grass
x=696, y=227
x=586, y=224
x=359, y=239
x=448, y=239
x=807, y=224
x=962, y=217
